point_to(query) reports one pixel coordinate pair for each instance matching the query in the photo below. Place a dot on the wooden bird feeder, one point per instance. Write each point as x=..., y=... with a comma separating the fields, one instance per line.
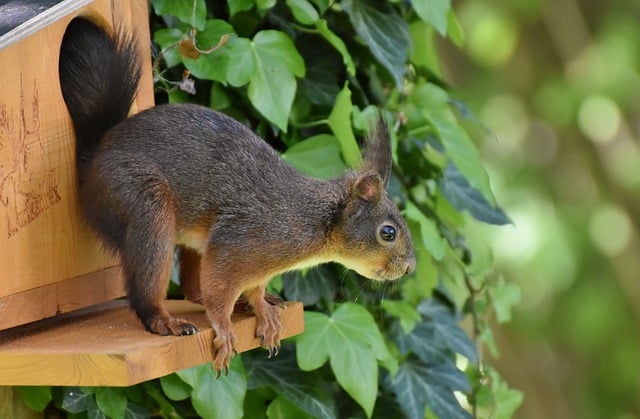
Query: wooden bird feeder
x=61, y=322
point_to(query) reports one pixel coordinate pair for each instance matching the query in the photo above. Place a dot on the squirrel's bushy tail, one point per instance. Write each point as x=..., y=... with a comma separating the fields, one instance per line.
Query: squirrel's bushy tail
x=99, y=76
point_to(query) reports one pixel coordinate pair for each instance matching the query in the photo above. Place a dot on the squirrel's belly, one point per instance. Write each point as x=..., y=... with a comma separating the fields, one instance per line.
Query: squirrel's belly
x=194, y=237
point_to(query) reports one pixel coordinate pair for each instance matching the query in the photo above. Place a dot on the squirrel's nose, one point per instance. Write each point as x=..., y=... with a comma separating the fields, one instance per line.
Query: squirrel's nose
x=411, y=265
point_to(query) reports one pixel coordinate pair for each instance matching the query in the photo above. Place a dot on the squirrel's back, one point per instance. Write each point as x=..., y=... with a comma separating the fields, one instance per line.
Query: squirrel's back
x=99, y=77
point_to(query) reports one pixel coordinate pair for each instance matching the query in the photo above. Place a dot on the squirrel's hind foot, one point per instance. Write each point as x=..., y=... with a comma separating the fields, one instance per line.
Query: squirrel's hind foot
x=224, y=348
x=166, y=325
x=268, y=327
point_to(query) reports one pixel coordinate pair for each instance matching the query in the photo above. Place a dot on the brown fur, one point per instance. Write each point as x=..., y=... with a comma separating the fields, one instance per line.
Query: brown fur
x=188, y=177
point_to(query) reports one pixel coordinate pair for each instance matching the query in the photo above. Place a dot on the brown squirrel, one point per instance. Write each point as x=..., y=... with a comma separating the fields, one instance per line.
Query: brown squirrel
x=182, y=175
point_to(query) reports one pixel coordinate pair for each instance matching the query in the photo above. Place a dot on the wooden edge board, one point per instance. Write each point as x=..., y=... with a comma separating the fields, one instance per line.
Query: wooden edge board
x=40, y=21
x=106, y=345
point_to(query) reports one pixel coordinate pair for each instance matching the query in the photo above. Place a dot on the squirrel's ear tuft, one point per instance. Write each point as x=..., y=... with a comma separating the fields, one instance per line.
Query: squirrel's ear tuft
x=369, y=187
x=377, y=152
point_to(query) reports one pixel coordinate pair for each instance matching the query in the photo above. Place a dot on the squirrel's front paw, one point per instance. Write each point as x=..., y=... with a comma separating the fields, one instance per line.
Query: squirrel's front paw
x=268, y=327
x=223, y=350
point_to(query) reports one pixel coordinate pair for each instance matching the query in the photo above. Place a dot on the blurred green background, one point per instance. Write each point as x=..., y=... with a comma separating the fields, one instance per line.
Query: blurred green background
x=558, y=84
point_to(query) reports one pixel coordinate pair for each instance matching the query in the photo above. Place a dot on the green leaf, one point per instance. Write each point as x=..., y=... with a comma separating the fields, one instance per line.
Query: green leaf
x=404, y=312
x=135, y=411
x=340, y=123
x=461, y=150
x=309, y=287
x=76, y=401
x=229, y=390
x=183, y=10
x=507, y=400
x=282, y=408
x=236, y=6
x=242, y=62
x=454, y=29
x=446, y=329
x=463, y=196
x=505, y=296
x=424, y=53
x=283, y=376
x=431, y=238
x=323, y=29
x=36, y=397
x=212, y=66
x=303, y=11
x=352, y=342
x=317, y=156
x=264, y=5
x=112, y=401
x=434, y=12
x=357, y=373
x=175, y=388
x=320, y=85
x=273, y=84
x=418, y=386
x=168, y=38
x=383, y=31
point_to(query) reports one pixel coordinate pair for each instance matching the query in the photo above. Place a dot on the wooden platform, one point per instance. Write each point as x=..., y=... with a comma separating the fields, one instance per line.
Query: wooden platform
x=106, y=345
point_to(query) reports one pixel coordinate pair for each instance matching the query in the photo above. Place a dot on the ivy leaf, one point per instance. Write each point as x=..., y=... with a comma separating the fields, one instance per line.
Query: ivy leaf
x=352, y=342
x=323, y=29
x=212, y=66
x=459, y=147
x=282, y=408
x=303, y=11
x=404, y=312
x=463, y=196
x=283, y=376
x=76, y=401
x=320, y=85
x=434, y=12
x=446, y=328
x=167, y=38
x=418, y=385
x=175, y=388
x=340, y=123
x=422, y=341
x=236, y=6
x=229, y=391
x=384, y=32
x=505, y=296
x=183, y=10
x=273, y=84
x=36, y=397
x=317, y=156
x=112, y=401
x=507, y=400
x=241, y=62
x=135, y=411
x=431, y=238
x=310, y=287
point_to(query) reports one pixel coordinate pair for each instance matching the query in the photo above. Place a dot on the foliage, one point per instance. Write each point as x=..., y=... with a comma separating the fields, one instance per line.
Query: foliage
x=308, y=75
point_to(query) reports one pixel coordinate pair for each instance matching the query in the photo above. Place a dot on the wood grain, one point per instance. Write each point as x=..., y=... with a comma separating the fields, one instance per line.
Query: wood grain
x=107, y=346
x=43, y=240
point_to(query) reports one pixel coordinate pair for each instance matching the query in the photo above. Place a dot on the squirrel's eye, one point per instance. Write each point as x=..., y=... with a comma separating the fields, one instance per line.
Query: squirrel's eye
x=388, y=233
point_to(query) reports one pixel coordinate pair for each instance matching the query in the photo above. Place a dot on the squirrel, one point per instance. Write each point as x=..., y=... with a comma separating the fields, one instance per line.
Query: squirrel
x=184, y=176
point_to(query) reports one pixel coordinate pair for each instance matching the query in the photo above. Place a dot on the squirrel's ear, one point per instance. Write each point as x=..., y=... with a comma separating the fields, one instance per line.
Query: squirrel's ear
x=377, y=152
x=369, y=187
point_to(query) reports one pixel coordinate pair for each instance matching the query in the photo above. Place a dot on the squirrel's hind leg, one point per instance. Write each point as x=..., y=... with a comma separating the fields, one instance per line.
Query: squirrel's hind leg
x=190, y=260
x=147, y=260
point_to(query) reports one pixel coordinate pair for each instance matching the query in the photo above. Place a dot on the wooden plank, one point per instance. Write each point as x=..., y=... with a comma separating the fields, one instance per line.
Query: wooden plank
x=61, y=297
x=107, y=346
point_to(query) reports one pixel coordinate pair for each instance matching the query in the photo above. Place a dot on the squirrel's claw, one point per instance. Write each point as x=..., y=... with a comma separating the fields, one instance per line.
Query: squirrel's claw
x=224, y=349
